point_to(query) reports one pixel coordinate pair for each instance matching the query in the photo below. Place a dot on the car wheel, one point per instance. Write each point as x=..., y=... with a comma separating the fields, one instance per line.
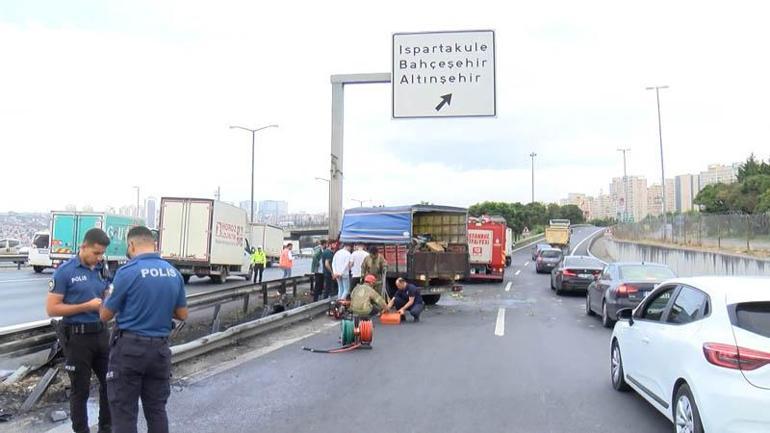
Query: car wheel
x=617, y=375
x=606, y=321
x=686, y=414
x=552, y=286
x=589, y=311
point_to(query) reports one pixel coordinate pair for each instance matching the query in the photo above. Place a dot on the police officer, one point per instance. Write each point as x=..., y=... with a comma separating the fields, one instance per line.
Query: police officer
x=147, y=293
x=76, y=293
x=258, y=263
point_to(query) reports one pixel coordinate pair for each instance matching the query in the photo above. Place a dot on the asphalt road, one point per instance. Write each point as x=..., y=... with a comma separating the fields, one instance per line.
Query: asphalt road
x=23, y=292
x=493, y=360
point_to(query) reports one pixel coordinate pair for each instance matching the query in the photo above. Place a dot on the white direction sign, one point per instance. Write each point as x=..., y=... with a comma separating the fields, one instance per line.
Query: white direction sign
x=444, y=74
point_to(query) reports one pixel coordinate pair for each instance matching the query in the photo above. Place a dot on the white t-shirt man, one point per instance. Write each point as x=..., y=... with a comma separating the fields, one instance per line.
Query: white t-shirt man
x=358, y=257
x=341, y=262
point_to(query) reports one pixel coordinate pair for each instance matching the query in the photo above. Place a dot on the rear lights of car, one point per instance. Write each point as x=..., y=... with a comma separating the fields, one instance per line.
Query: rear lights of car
x=734, y=357
x=623, y=290
x=569, y=273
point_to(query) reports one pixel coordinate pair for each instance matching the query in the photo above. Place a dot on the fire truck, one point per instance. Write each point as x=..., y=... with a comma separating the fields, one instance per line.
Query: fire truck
x=486, y=247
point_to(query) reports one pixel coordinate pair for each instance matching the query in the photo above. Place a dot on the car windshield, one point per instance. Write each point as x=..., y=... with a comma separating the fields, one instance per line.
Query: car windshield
x=582, y=262
x=645, y=273
x=550, y=254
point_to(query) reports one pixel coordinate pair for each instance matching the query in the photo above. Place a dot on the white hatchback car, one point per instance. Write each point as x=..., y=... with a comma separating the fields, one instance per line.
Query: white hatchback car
x=698, y=349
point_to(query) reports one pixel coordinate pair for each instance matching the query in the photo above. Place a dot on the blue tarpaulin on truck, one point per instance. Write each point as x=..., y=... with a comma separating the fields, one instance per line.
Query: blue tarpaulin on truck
x=392, y=225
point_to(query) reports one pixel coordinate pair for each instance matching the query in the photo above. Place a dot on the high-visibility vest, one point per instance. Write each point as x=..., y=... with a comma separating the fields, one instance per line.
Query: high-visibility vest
x=284, y=262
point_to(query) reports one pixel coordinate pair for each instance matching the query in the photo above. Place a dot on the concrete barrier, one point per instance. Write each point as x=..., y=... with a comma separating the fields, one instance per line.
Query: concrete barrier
x=686, y=262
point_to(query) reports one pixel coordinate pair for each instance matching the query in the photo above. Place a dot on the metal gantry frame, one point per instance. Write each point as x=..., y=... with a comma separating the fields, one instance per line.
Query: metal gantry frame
x=336, y=172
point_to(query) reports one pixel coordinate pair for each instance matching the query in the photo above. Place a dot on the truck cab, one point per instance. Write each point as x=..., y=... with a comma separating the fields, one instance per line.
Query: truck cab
x=39, y=256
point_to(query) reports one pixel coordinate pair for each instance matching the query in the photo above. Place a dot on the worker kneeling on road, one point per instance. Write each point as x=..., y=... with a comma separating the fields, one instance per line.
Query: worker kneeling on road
x=407, y=298
x=365, y=301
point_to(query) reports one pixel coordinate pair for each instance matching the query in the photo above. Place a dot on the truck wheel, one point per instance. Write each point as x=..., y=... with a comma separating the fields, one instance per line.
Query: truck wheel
x=219, y=279
x=507, y=262
x=431, y=299
x=186, y=278
x=38, y=269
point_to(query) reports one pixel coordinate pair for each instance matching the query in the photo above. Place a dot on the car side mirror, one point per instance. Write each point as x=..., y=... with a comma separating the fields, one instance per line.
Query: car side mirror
x=626, y=314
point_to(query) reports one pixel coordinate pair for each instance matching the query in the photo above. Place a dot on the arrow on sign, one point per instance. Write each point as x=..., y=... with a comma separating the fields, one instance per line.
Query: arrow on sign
x=445, y=100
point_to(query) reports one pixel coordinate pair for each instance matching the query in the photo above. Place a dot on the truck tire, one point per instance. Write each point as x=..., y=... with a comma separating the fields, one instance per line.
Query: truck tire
x=38, y=269
x=507, y=261
x=431, y=299
x=221, y=278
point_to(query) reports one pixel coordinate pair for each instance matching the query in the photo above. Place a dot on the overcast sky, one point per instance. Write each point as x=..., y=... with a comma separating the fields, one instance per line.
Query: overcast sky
x=98, y=96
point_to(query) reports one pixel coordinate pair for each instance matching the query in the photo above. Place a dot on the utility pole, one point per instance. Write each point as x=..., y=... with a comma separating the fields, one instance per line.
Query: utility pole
x=625, y=184
x=662, y=170
x=533, y=155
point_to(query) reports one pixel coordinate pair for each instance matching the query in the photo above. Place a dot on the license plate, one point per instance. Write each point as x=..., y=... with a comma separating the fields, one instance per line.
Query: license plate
x=586, y=276
x=42, y=251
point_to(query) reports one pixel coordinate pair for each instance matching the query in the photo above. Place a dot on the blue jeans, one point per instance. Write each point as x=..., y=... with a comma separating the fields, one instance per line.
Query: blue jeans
x=286, y=272
x=343, y=287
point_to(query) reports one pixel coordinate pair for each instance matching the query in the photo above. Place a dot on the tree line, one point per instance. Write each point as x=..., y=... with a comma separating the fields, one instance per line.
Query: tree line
x=749, y=195
x=533, y=216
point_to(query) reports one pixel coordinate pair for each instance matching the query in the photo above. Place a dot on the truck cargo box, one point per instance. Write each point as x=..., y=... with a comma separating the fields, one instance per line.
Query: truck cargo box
x=204, y=237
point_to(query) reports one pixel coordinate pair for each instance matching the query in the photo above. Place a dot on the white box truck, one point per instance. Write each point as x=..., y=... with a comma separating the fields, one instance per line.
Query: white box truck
x=271, y=239
x=204, y=237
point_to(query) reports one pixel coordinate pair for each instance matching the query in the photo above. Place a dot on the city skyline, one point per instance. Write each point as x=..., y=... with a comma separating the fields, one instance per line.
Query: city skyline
x=635, y=198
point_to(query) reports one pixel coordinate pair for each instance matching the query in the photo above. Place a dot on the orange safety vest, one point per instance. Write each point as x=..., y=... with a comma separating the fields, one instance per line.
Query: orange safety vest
x=284, y=261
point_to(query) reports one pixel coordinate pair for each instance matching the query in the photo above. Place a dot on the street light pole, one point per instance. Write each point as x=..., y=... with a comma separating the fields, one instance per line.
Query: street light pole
x=662, y=170
x=253, y=133
x=625, y=184
x=533, y=155
x=360, y=202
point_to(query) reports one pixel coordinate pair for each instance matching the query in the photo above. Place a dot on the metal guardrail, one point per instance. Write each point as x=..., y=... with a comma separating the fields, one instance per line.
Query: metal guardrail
x=200, y=346
x=18, y=259
x=26, y=338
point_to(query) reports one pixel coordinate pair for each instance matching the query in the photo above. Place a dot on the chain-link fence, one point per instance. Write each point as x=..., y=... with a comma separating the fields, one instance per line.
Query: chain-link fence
x=732, y=232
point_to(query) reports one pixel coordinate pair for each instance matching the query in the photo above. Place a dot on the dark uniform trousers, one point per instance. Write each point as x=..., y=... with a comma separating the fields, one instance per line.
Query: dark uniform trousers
x=86, y=352
x=140, y=367
x=415, y=310
x=259, y=269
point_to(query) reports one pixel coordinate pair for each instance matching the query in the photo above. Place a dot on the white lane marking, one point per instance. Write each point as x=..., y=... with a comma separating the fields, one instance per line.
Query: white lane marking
x=23, y=281
x=517, y=272
x=508, y=287
x=526, y=263
x=586, y=239
x=500, y=325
